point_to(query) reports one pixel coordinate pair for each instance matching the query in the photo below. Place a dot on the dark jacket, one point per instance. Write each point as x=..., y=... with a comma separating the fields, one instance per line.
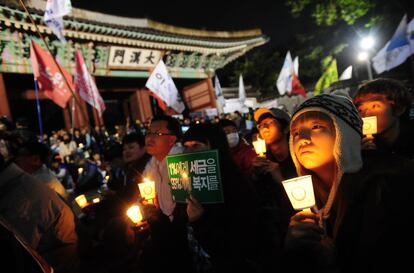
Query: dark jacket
x=243, y=155
x=368, y=220
x=228, y=232
x=40, y=216
x=403, y=146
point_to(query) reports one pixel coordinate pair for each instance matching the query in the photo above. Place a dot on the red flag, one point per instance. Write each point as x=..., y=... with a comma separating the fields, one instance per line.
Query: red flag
x=85, y=85
x=47, y=74
x=297, y=87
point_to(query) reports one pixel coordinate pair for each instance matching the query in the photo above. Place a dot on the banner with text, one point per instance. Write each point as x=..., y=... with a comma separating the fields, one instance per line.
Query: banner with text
x=197, y=174
x=132, y=58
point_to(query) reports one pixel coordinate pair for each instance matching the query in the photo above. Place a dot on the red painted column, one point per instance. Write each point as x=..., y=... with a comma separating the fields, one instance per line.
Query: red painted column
x=4, y=102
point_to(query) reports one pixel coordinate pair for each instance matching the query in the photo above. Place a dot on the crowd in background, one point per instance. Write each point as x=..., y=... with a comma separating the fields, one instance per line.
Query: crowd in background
x=362, y=185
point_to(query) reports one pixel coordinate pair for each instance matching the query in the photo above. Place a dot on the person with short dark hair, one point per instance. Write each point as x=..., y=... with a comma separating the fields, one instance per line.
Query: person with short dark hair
x=390, y=101
x=167, y=222
x=134, y=157
x=33, y=158
x=40, y=216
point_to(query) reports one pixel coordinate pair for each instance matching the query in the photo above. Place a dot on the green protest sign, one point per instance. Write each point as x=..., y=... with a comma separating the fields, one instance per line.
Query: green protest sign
x=196, y=173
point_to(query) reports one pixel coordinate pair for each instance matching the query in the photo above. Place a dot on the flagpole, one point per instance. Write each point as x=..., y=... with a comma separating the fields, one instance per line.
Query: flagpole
x=39, y=117
x=50, y=52
x=73, y=116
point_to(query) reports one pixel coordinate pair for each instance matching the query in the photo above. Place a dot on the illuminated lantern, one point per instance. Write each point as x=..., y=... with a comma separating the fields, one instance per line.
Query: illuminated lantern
x=369, y=126
x=147, y=189
x=134, y=213
x=260, y=147
x=300, y=192
x=81, y=201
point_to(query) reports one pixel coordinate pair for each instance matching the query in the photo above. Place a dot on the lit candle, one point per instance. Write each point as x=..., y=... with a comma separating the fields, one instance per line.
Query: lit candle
x=96, y=200
x=369, y=126
x=134, y=213
x=81, y=201
x=81, y=145
x=300, y=192
x=260, y=147
x=186, y=182
x=80, y=170
x=147, y=189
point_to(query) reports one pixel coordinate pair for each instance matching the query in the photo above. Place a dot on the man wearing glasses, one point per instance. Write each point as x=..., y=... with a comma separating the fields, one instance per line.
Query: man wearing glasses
x=160, y=140
x=167, y=222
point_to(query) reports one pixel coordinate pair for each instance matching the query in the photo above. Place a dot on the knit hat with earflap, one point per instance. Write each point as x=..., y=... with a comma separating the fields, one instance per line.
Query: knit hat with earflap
x=348, y=133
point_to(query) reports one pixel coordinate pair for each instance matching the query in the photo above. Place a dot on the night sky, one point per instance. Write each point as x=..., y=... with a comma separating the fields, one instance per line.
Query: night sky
x=272, y=17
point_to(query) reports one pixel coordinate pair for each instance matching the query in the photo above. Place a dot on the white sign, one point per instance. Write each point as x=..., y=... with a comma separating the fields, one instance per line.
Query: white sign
x=132, y=58
x=300, y=192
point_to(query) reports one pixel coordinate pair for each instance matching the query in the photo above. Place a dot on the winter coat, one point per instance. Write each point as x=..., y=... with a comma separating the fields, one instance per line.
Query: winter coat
x=40, y=216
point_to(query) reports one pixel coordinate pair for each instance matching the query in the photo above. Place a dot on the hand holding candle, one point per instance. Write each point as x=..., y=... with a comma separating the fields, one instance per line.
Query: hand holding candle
x=186, y=182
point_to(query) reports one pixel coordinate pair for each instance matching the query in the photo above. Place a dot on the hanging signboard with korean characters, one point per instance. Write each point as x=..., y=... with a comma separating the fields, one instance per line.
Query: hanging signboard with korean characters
x=132, y=58
x=197, y=174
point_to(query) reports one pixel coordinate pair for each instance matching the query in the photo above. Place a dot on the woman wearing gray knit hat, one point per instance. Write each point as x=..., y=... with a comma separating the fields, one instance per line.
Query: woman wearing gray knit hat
x=360, y=202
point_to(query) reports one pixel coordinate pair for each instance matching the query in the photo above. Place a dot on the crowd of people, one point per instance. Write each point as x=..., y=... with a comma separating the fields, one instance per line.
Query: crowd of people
x=362, y=188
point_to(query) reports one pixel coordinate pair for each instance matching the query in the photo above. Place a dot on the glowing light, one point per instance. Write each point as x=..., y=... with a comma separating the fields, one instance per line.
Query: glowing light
x=81, y=201
x=147, y=189
x=260, y=147
x=367, y=43
x=134, y=213
x=363, y=56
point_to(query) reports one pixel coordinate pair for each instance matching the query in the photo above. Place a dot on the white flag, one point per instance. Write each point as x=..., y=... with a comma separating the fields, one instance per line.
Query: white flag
x=284, y=81
x=347, y=74
x=296, y=66
x=395, y=52
x=242, y=91
x=54, y=12
x=219, y=92
x=161, y=83
x=410, y=35
x=85, y=85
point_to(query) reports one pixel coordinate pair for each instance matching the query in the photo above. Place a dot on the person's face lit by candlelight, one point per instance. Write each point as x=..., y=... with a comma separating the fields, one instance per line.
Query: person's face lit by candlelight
x=314, y=140
x=379, y=106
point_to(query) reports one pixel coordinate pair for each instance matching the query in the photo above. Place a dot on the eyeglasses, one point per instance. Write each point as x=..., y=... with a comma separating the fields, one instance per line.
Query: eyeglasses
x=266, y=124
x=158, y=134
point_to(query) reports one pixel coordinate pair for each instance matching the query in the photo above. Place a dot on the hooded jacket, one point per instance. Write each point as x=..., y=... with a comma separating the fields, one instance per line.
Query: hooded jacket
x=368, y=201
